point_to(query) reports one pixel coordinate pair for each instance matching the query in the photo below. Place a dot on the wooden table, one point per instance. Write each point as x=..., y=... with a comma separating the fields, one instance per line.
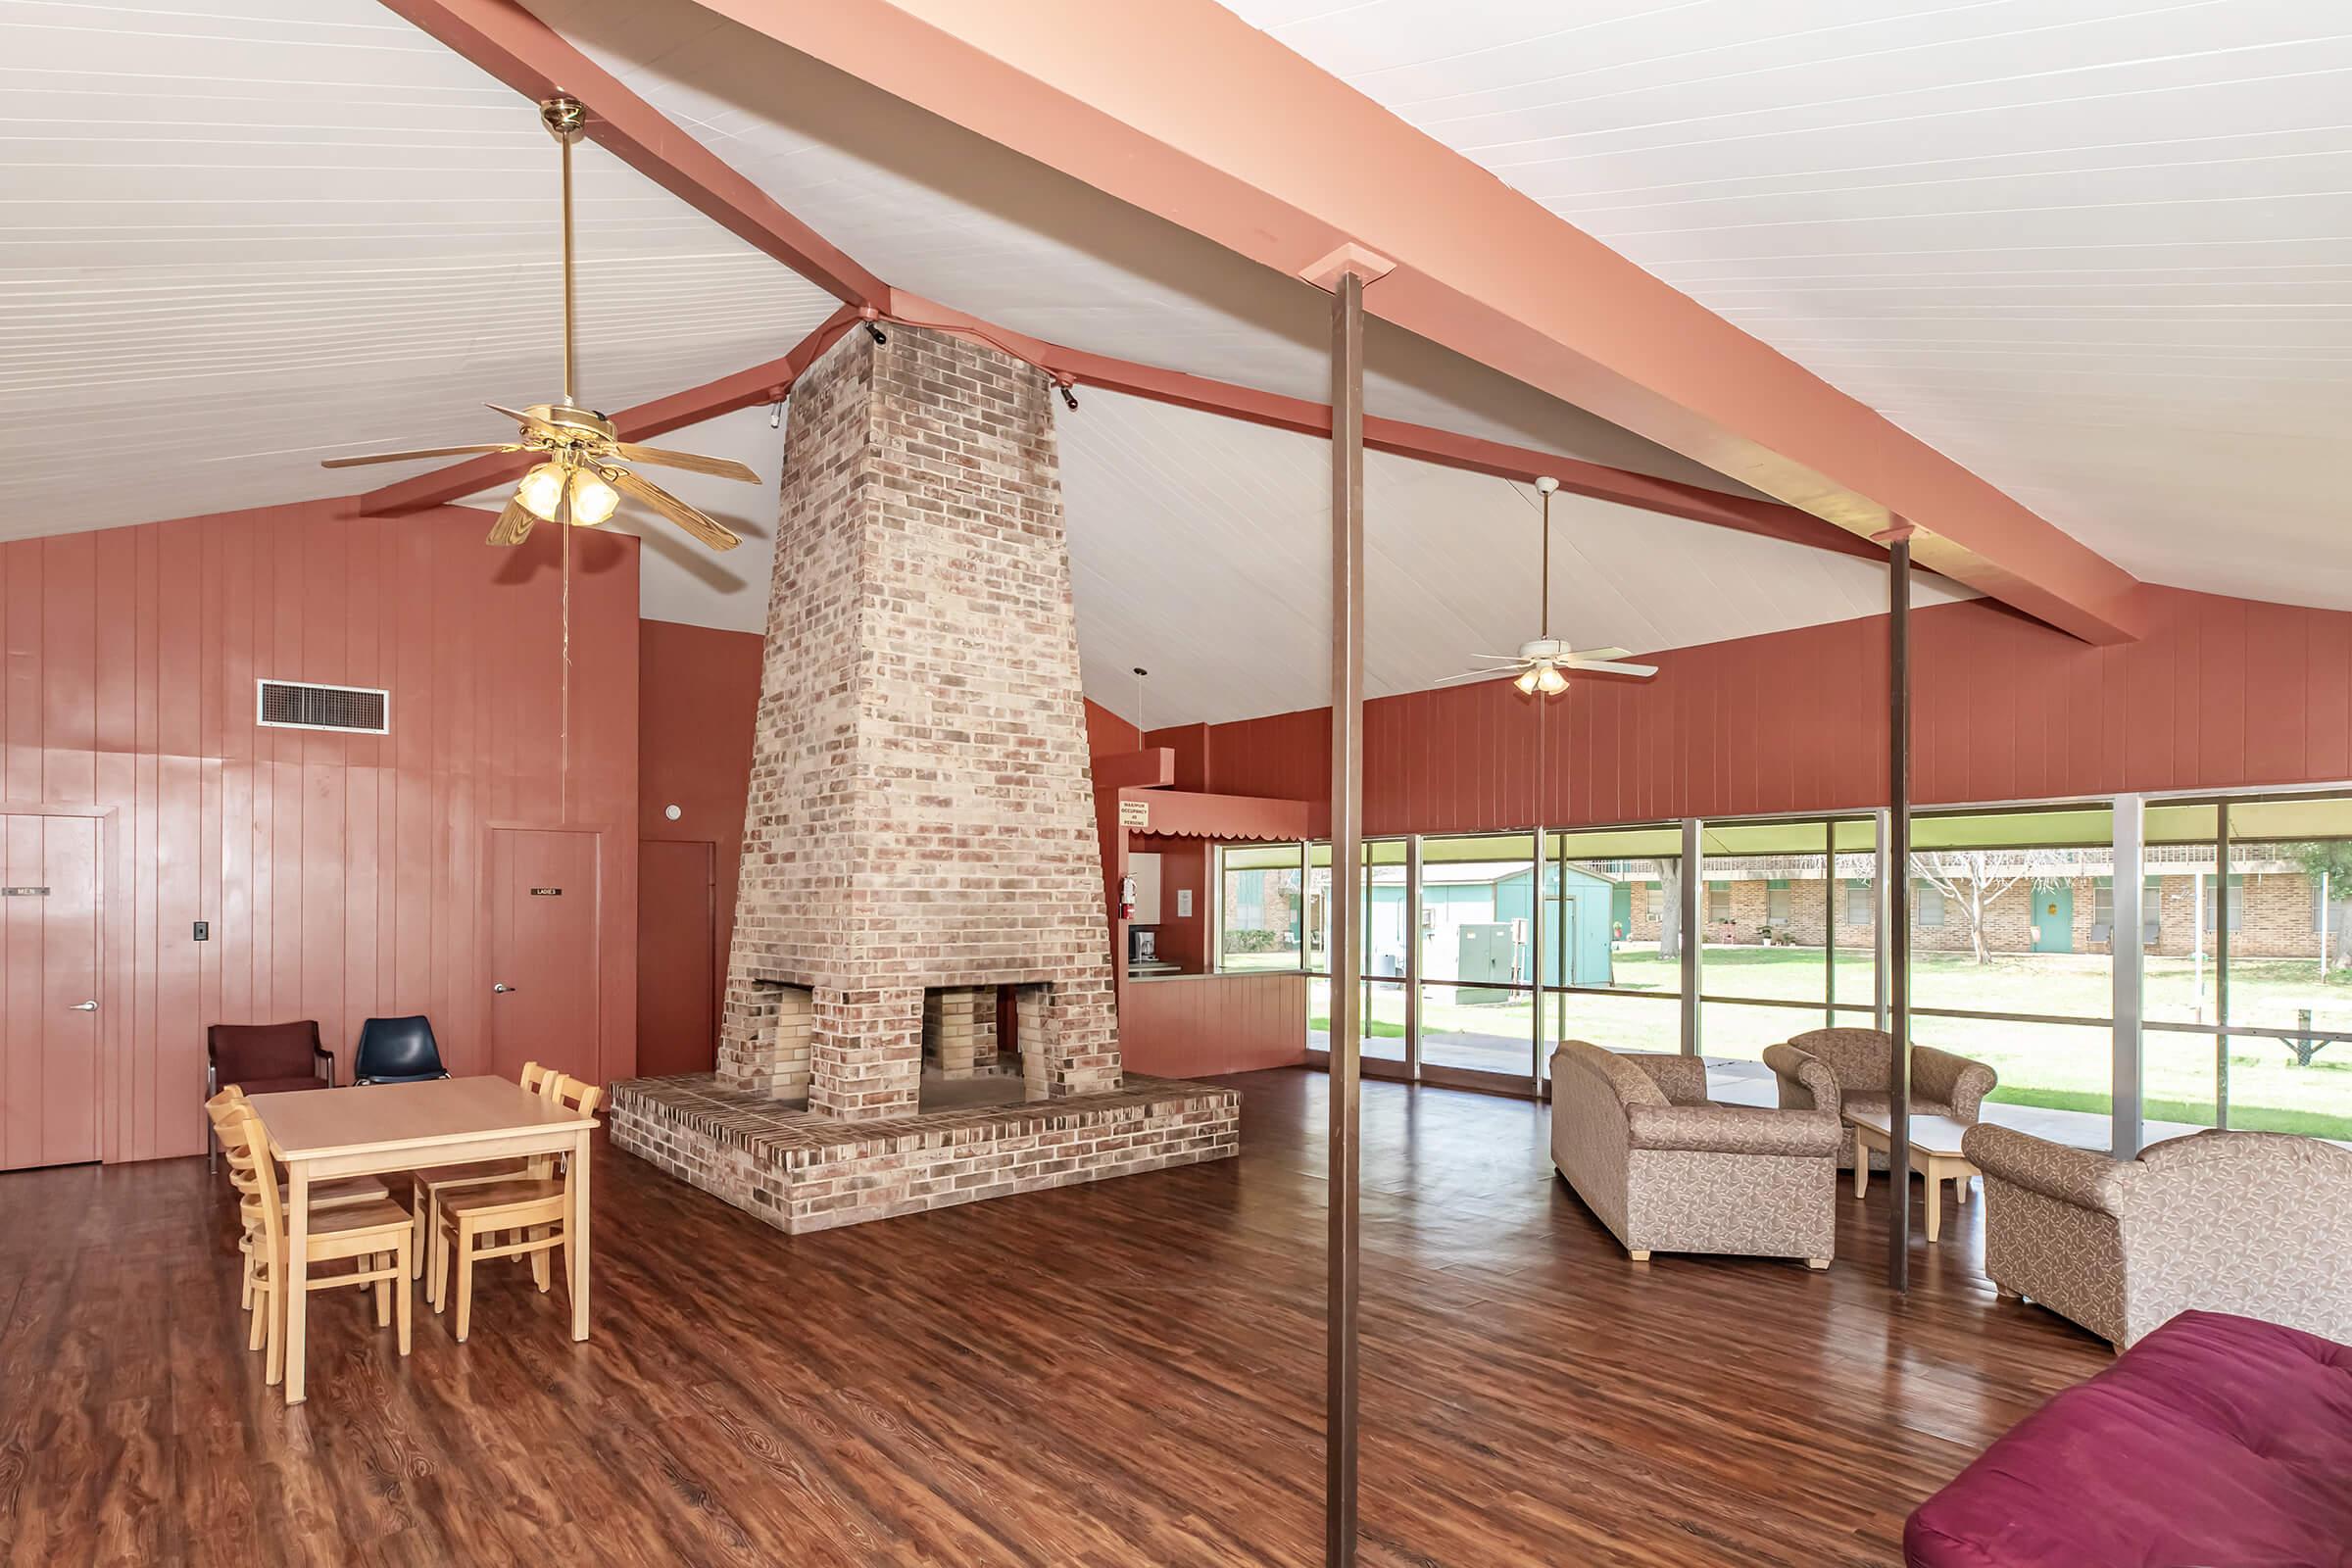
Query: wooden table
x=369, y=1130
x=1935, y=1154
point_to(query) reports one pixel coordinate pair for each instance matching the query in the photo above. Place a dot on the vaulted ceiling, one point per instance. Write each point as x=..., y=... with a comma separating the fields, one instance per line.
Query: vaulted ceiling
x=245, y=236
x=2098, y=251
x=2095, y=251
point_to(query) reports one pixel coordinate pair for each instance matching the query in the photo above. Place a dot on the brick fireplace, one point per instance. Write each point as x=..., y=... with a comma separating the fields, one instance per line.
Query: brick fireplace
x=920, y=837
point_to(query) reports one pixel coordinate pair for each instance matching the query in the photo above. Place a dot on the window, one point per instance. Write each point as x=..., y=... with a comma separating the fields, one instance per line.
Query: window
x=2011, y=979
x=1926, y=907
x=1250, y=898
x=1719, y=903
x=2237, y=903
x=1260, y=906
x=1860, y=907
x=1776, y=902
x=1612, y=940
x=2151, y=912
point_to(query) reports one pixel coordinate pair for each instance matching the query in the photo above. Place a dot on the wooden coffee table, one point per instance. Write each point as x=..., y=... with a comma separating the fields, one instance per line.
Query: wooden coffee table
x=1935, y=1154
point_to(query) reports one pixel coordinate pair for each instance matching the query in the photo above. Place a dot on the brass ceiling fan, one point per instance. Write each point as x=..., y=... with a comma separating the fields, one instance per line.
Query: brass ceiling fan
x=1543, y=663
x=579, y=480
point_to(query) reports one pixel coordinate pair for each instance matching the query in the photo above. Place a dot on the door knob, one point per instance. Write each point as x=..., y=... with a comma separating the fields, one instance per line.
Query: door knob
x=502, y=987
x=85, y=1006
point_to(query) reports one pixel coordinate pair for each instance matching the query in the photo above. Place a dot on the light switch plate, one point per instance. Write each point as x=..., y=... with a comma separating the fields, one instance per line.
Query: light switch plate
x=1183, y=904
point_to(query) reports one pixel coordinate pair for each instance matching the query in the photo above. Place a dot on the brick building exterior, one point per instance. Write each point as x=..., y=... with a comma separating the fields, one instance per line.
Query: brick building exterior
x=2277, y=912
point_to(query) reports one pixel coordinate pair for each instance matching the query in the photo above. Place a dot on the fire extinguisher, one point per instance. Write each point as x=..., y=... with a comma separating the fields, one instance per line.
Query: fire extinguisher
x=1127, y=897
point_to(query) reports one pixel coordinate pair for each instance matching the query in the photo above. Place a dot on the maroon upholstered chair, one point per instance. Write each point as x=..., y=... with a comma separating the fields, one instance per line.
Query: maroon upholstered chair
x=263, y=1058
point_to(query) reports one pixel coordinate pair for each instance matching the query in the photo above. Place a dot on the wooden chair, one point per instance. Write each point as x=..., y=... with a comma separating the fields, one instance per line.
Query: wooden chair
x=342, y=1192
x=426, y=1186
x=375, y=1234
x=511, y=1217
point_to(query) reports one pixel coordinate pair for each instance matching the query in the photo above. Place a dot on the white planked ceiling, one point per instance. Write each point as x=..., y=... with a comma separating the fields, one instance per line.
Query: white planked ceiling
x=1200, y=550
x=246, y=234
x=932, y=207
x=2106, y=279
x=2098, y=251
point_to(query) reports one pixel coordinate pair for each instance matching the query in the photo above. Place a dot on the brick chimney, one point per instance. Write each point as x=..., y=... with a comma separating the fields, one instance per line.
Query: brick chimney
x=921, y=818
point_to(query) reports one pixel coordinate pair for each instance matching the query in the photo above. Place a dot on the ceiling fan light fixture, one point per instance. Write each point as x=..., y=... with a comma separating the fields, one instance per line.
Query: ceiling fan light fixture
x=579, y=478
x=1527, y=680
x=540, y=490
x=1550, y=681
x=592, y=500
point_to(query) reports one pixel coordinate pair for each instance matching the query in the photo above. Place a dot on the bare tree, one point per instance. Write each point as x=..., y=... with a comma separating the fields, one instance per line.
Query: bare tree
x=1670, y=914
x=1973, y=879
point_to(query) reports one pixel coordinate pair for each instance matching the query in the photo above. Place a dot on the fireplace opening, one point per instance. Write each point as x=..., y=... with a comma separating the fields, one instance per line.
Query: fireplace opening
x=971, y=1054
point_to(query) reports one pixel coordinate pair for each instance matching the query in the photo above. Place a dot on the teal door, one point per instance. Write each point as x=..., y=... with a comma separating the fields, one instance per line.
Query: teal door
x=2054, y=918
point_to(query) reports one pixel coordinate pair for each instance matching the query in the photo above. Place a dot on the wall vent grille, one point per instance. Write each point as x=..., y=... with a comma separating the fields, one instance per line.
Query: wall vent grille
x=296, y=705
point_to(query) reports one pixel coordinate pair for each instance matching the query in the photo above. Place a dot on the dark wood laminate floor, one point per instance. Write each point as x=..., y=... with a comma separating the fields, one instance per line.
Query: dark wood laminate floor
x=1122, y=1374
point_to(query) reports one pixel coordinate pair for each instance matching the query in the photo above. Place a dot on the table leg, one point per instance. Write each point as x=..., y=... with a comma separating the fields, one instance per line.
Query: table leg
x=576, y=1244
x=1861, y=1164
x=1933, y=1177
x=297, y=1284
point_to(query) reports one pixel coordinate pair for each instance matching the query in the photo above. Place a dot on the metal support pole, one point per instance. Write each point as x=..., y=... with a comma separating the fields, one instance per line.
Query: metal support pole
x=1828, y=922
x=1537, y=929
x=1898, y=907
x=1881, y=966
x=1693, y=901
x=2220, y=964
x=1412, y=957
x=2125, y=941
x=1347, y=925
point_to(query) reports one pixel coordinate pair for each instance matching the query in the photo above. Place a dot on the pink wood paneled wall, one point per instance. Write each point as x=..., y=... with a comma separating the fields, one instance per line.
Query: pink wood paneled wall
x=2221, y=693
x=1212, y=1025
x=343, y=875
x=1184, y=865
x=698, y=700
x=1107, y=734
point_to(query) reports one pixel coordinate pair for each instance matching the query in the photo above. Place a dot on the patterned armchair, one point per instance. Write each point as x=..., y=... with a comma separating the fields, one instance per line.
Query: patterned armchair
x=1941, y=1084
x=2259, y=1224
x=1667, y=1170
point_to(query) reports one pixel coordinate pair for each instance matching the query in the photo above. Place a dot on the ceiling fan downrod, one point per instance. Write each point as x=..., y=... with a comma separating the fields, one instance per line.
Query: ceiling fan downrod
x=565, y=118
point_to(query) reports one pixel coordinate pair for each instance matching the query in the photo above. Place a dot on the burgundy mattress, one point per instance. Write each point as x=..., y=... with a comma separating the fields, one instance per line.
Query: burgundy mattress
x=2216, y=1442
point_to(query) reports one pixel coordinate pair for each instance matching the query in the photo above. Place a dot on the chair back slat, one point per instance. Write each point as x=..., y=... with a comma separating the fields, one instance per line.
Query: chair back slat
x=573, y=1095
x=222, y=1103
x=252, y=1172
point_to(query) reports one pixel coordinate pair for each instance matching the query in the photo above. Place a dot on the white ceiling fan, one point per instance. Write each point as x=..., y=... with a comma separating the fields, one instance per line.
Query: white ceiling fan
x=1543, y=663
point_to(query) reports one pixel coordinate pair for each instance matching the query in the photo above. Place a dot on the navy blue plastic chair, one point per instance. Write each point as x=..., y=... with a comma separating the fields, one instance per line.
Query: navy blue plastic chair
x=397, y=1051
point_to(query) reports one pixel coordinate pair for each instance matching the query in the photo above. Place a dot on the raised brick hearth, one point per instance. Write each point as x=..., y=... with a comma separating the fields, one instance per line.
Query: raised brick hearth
x=803, y=1172
x=921, y=832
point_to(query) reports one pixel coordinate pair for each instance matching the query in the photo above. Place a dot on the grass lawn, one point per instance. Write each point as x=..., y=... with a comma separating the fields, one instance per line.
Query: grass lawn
x=1285, y=959
x=2058, y=1065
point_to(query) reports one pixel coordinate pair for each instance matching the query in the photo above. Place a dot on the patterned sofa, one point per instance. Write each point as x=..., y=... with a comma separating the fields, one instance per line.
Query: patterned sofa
x=1667, y=1170
x=2258, y=1224
x=1941, y=1084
